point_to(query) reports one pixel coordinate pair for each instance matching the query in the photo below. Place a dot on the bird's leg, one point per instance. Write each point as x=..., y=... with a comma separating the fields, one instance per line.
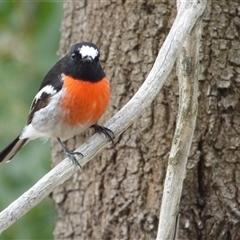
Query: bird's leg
x=106, y=131
x=69, y=154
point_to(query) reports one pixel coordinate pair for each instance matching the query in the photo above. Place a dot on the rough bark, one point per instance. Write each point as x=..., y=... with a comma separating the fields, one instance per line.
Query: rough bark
x=210, y=201
x=117, y=195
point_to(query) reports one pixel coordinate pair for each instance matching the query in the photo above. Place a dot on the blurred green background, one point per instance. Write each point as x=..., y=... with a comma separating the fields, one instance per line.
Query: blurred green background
x=29, y=40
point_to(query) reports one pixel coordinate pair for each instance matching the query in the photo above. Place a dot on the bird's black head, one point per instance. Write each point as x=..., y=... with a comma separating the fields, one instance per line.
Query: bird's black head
x=82, y=62
x=84, y=53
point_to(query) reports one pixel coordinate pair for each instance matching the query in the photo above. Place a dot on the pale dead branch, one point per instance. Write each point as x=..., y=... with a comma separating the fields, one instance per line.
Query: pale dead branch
x=187, y=73
x=182, y=25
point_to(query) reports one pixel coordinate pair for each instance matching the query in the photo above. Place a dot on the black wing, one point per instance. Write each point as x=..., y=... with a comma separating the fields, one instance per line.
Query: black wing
x=51, y=84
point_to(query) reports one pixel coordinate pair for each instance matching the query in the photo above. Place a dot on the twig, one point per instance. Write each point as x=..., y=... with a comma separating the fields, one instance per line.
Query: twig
x=118, y=123
x=188, y=103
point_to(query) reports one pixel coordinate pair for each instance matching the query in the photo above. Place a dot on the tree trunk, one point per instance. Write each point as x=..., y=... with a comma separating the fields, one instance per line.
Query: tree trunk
x=210, y=202
x=117, y=195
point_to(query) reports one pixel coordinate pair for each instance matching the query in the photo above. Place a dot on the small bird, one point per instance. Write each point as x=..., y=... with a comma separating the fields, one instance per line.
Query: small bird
x=72, y=97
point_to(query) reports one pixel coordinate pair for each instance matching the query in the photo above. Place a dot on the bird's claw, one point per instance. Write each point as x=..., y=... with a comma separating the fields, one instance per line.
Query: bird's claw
x=106, y=131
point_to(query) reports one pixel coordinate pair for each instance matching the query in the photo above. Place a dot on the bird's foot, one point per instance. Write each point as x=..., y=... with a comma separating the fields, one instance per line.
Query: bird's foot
x=70, y=155
x=106, y=131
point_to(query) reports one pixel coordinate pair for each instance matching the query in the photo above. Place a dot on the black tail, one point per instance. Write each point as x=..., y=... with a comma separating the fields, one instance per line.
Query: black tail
x=12, y=149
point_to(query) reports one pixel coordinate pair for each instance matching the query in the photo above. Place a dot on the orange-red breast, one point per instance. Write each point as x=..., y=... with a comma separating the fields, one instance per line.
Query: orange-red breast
x=72, y=97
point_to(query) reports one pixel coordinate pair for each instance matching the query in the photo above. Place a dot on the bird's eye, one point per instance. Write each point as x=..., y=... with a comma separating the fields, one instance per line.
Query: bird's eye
x=73, y=56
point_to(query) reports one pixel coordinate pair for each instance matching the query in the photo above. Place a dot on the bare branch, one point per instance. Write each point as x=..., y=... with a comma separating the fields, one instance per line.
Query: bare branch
x=187, y=73
x=118, y=123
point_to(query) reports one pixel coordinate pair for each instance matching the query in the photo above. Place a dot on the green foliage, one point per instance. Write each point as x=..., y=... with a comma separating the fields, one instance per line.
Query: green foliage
x=29, y=40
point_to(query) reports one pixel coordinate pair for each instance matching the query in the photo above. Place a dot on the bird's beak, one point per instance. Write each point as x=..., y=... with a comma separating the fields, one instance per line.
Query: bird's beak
x=87, y=59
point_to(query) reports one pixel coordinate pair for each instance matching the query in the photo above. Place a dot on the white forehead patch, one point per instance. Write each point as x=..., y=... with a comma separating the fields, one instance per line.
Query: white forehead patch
x=47, y=89
x=88, y=51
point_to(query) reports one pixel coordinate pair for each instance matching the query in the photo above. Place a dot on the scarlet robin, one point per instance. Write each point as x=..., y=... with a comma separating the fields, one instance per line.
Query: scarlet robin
x=72, y=97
